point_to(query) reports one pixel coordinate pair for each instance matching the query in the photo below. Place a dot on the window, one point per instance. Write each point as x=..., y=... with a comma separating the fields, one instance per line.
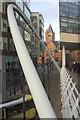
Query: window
x=2, y=7
x=71, y=5
x=1, y=42
x=35, y=21
x=61, y=3
x=40, y=47
x=64, y=4
x=26, y=12
x=17, y=16
x=64, y=24
x=4, y=25
x=20, y=4
x=64, y=29
x=69, y=17
x=0, y=45
x=5, y=43
x=64, y=19
x=41, y=19
x=11, y=44
x=71, y=20
x=70, y=30
x=8, y=29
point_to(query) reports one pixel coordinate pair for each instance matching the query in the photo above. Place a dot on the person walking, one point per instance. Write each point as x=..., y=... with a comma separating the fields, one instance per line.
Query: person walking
x=74, y=66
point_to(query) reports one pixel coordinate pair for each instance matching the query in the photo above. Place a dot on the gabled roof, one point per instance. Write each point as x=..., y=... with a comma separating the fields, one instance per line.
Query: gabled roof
x=50, y=29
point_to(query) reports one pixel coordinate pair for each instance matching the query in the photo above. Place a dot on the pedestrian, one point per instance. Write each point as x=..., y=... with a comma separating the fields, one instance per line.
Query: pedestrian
x=74, y=66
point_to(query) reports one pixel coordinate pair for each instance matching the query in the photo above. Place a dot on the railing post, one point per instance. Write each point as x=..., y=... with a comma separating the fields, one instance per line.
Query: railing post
x=63, y=57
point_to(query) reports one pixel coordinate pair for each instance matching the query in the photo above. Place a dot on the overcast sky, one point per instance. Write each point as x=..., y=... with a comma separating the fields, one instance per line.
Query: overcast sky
x=50, y=12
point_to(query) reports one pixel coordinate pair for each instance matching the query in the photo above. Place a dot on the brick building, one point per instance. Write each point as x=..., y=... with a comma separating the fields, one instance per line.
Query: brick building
x=52, y=45
x=75, y=55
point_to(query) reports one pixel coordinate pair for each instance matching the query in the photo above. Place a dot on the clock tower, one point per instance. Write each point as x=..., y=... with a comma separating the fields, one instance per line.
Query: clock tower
x=49, y=35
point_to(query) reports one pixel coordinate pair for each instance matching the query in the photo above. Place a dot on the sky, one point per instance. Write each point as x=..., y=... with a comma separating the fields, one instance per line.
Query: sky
x=50, y=11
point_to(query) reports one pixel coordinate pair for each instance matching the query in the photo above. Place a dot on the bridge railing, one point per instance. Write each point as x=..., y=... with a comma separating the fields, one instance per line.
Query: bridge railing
x=70, y=96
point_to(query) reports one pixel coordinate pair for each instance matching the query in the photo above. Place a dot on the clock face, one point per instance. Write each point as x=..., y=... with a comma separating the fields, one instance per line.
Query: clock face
x=49, y=35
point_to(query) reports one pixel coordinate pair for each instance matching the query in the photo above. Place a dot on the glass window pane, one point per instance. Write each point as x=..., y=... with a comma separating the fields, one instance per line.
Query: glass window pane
x=70, y=30
x=27, y=13
x=1, y=42
x=20, y=4
x=4, y=25
x=64, y=24
x=64, y=19
x=72, y=20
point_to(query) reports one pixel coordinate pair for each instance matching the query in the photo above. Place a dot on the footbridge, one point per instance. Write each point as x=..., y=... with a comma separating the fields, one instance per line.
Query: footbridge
x=68, y=95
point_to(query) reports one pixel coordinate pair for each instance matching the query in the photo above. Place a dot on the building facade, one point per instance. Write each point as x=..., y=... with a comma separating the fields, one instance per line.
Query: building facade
x=69, y=25
x=52, y=45
x=10, y=68
x=37, y=22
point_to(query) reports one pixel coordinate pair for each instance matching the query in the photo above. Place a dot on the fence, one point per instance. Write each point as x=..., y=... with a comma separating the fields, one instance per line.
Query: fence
x=70, y=96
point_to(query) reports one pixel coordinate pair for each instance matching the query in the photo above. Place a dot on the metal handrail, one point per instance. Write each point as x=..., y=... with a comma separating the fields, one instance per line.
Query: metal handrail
x=40, y=98
x=70, y=96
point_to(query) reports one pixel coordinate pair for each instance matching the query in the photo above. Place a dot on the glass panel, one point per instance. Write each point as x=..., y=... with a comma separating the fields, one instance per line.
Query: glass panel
x=17, y=16
x=70, y=30
x=2, y=7
x=4, y=25
x=64, y=19
x=5, y=44
x=27, y=13
x=20, y=4
x=64, y=24
x=71, y=20
x=64, y=4
x=71, y=5
x=1, y=42
x=35, y=21
x=41, y=18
